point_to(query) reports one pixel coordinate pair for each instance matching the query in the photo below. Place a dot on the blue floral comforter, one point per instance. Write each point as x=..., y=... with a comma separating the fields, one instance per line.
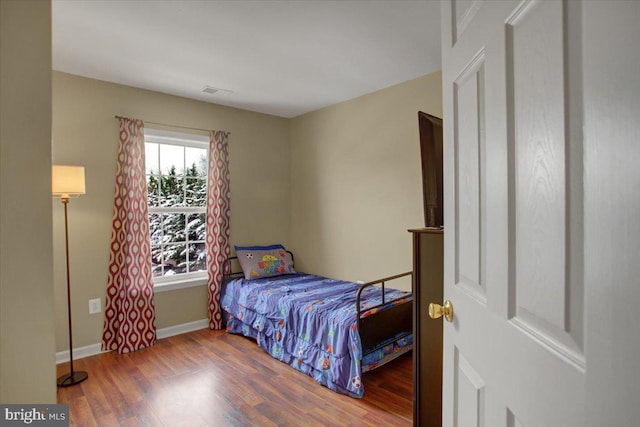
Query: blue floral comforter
x=306, y=321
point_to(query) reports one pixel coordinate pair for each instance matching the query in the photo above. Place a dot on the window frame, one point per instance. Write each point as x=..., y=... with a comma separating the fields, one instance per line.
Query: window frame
x=157, y=136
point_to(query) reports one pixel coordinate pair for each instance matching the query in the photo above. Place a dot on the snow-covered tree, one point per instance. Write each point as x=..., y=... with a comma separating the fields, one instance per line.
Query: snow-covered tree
x=177, y=239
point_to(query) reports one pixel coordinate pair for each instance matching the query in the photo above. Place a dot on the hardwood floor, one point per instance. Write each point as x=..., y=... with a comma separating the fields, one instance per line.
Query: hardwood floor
x=211, y=378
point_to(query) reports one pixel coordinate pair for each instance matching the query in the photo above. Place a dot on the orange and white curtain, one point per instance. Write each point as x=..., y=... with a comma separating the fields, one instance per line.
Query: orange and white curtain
x=129, y=322
x=218, y=218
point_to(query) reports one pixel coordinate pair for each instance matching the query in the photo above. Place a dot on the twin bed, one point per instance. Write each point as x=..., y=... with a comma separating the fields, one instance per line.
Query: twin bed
x=331, y=330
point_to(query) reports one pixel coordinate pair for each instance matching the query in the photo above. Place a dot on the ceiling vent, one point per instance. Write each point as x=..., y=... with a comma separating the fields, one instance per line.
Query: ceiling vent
x=211, y=90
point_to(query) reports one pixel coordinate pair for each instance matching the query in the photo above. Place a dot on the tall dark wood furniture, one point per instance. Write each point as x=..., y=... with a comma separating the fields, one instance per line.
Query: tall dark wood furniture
x=427, y=347
x=431, y=156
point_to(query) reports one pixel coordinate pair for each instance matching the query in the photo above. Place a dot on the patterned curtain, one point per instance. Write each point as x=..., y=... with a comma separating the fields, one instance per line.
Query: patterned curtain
x=218, y=212
x=129, y=322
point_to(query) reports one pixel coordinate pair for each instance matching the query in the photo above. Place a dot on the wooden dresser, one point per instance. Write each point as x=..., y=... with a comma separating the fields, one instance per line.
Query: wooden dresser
x=427, y=287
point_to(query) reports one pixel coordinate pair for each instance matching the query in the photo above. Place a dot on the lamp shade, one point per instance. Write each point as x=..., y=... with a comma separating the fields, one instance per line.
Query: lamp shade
x=67, y=180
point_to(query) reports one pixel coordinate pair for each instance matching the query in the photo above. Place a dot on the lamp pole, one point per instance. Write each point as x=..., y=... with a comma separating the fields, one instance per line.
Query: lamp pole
x=72, y=378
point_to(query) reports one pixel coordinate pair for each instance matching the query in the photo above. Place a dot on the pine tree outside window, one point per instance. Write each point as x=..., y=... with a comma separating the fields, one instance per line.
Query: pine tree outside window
x=176, y=170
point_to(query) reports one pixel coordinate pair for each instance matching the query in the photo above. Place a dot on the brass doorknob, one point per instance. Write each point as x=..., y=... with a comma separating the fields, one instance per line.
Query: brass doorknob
x=436, y=310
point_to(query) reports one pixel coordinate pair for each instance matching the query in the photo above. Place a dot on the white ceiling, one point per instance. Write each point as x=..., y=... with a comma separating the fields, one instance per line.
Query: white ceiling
x=283, y=58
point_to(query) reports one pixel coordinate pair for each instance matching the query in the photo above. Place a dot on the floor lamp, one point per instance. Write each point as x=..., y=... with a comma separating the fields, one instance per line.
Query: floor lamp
x=67, y=182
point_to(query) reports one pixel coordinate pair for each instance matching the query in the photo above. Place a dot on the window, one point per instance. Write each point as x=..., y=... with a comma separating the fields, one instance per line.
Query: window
x=176, y=169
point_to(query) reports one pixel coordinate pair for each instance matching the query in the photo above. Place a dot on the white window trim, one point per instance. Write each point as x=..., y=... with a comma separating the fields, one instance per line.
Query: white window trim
x=184, y=280
x=176, y=138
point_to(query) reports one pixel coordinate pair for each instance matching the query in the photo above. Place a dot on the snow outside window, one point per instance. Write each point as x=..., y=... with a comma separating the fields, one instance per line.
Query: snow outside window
x=176, y=170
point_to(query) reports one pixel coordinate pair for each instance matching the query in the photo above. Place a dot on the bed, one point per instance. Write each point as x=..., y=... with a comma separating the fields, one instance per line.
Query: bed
x=331, y=330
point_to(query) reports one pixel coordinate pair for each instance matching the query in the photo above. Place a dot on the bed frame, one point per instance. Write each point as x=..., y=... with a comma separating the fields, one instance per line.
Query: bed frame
x=377, y=329
x=392, y=323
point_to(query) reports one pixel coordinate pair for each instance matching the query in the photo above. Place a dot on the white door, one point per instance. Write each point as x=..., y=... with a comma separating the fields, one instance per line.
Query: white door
x=534, y=94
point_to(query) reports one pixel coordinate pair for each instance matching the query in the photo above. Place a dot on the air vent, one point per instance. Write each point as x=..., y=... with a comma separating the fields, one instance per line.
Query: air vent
x=211, y=90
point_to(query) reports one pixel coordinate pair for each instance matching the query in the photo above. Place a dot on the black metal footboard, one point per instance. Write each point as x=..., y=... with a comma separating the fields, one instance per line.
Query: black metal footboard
x=394, y=322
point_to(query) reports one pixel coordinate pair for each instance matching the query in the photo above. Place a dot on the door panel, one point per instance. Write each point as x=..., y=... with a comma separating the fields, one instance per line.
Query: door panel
x=469, y=154
x=462, y=12
x=469, y=394
x=538, y=160
x=541, y=301
x=513, y=214
x=512, y=421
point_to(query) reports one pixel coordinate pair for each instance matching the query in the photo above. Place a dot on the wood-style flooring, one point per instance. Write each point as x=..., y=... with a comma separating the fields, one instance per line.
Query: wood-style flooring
x=211, y=378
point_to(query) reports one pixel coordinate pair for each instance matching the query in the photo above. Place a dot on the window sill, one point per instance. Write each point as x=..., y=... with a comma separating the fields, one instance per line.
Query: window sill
x=179, y=284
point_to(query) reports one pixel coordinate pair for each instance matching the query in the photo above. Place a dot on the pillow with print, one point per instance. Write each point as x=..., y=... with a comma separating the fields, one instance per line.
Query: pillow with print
x=264, y=261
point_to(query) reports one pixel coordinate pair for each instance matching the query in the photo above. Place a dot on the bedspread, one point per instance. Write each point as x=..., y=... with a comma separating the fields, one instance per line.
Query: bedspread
x=306, y=321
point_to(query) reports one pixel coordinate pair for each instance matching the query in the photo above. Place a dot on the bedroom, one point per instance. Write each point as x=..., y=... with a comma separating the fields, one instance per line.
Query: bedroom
x=309, y=214
x=29, y=307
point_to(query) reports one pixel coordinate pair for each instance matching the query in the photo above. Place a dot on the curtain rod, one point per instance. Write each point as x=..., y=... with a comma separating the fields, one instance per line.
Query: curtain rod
x=173, y=126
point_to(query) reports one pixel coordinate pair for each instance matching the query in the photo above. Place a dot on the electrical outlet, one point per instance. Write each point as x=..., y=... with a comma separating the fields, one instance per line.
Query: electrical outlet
x=94, y=306
x=360, y=282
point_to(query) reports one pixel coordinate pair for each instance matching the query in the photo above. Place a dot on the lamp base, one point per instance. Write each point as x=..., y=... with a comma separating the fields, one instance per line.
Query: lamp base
x=72, y=379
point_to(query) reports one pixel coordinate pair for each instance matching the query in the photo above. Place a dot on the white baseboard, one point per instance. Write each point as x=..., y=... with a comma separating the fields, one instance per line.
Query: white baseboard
x=182, y=329
x=79, y=353
x=93, y=349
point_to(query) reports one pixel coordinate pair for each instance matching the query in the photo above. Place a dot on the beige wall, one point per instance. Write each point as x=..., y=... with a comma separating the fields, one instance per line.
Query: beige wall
x=86, y=133
x=356, y=182
x=27, y=360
